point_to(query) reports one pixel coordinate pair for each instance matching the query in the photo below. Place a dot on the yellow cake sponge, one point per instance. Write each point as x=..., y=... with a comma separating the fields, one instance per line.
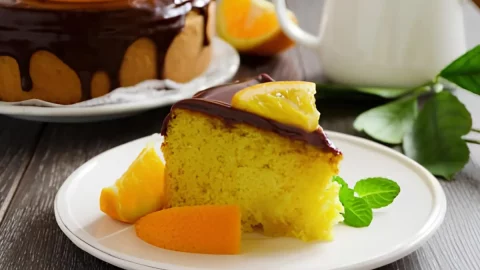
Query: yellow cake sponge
x=282, y=186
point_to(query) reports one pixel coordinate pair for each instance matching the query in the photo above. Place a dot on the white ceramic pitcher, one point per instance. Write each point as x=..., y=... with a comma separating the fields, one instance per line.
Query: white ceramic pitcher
x=389, y=43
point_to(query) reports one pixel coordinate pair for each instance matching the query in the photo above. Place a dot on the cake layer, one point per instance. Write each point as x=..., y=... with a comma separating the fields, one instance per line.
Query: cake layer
x=216, y=102
x=282, y=186
x=94, y=37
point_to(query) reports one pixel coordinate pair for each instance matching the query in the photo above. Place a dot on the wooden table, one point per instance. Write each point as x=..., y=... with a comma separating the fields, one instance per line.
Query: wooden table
x=35, y=159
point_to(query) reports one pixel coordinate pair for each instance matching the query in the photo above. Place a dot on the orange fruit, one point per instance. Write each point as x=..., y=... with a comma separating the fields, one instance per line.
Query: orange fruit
x=251, y=26
x=139, y=191
x=291, y=103
x=207, y=229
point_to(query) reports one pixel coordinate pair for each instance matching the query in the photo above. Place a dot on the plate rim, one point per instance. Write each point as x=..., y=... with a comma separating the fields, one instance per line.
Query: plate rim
x=122, y=108
x=434, y=221
x=99, y=254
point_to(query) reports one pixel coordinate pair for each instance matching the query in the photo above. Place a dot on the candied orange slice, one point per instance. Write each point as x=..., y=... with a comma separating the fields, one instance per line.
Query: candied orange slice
x=139, y=191
x=251, y=26
x=206, y=229
x=290, y=102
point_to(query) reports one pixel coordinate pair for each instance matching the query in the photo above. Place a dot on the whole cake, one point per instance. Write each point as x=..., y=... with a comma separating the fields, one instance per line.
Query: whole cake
x=66, y=51
x=278, y=173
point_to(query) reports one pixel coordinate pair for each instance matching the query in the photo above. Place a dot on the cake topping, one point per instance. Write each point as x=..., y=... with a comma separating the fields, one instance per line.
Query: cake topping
x=291, y=103
x=217, y=102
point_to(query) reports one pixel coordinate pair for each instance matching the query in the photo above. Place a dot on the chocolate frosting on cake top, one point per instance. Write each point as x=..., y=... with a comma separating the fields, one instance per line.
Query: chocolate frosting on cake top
x=162, y=8
x=216, y=101
x=91, y=36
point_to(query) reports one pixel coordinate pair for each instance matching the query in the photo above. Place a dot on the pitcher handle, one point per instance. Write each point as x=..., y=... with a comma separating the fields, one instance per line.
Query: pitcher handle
x=292, y=30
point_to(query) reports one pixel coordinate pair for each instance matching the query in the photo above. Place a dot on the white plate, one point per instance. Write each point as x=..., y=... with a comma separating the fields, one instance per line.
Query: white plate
x=224, y=65
x=395, y=231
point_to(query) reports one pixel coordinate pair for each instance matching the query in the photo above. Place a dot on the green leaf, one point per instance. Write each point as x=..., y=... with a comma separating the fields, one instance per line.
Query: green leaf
x=378, y=192
x=388, y=123
x=465, y=71
x=345, y=192
x=389, y=93
x=339, y=180
x=357, y=213
x=435, y=140
x=337, y=91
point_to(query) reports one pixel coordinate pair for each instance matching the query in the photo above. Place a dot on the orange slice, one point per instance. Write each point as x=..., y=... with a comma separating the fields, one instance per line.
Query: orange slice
x=291, y=103
x=139, y=191
x=251, y=26
x=203, y=229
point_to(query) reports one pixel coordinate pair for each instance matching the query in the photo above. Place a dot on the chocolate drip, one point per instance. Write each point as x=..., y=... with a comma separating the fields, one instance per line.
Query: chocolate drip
x=204, y=13
x=216, y=102
x=89, y=41
x=26, y=80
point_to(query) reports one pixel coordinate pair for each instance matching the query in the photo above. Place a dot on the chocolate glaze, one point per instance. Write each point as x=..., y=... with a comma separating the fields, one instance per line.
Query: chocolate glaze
x=91, y=37
x=216, y=102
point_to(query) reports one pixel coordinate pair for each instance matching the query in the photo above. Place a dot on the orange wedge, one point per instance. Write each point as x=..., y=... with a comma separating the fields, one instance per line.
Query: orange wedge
x=207, y=229
x=139, y=191
x=290, y=103
x=251, y=26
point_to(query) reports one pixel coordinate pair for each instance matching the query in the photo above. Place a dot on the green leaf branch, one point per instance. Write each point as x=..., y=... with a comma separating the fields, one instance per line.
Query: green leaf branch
x=435, y=139
x=465, y=71
x=388, y=123
x=434, y=135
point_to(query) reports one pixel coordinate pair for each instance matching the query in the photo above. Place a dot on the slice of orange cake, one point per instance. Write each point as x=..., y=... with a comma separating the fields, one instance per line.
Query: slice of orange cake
x=256, y=144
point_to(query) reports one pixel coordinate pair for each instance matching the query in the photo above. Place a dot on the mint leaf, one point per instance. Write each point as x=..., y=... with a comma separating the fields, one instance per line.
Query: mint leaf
x=357, y=213
x=435, y=140
x=339, y=180
x=465, y=71
x=345, y=192
x=388, y=123
x=378, y=192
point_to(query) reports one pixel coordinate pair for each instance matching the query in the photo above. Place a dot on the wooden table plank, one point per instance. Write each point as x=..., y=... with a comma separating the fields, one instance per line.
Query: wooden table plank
x=17, y=143
x=29, y=235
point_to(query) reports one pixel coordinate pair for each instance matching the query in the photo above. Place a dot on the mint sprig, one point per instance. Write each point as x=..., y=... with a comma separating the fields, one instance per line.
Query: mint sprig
x=375, y=192
x=434, y=135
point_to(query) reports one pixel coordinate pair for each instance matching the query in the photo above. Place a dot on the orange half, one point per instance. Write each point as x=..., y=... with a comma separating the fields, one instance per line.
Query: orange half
x=251, y=26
